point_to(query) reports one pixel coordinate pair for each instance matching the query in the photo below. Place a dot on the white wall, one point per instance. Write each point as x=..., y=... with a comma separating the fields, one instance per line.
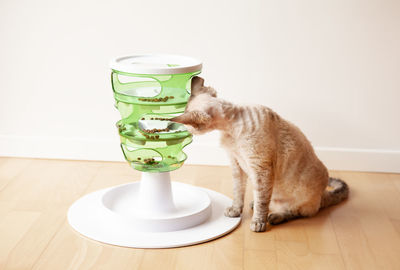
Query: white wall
x=331, y=67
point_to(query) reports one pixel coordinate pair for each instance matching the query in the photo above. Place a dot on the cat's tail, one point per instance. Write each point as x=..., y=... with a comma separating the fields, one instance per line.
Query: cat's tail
x=336, y=191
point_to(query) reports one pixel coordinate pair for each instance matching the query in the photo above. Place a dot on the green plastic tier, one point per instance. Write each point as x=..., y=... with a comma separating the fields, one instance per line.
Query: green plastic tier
x=149, y=140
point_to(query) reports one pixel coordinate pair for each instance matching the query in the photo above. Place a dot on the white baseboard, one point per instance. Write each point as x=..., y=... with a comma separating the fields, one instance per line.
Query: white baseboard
x=374, y=160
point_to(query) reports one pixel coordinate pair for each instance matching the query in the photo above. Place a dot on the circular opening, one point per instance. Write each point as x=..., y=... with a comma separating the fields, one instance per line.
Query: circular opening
x=138, y=86
x=143, y=156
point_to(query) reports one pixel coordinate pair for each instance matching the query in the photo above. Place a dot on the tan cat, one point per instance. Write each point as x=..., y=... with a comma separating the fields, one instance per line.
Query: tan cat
x=288, y=179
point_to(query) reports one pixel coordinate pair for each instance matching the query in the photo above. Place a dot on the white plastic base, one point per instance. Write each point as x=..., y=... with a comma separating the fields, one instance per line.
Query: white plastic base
x=152, y=213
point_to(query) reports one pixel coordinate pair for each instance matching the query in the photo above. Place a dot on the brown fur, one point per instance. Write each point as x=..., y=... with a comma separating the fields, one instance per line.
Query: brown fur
x=288, y=179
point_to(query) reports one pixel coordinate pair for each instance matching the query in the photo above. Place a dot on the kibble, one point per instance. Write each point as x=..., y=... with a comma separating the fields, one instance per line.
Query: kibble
x=161, y=99
x=155, y=130
x=150, y=161
x=149, y=136
x=157, y=118
x=161, y=119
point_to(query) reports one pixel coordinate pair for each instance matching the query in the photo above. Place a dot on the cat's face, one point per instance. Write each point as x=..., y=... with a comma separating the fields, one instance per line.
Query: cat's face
x=200, y=113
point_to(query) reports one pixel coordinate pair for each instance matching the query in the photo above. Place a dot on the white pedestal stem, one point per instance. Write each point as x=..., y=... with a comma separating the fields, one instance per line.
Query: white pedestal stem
x=155, y=194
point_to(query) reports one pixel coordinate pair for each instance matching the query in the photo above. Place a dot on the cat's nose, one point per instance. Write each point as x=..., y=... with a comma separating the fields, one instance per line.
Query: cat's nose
x=176, y=119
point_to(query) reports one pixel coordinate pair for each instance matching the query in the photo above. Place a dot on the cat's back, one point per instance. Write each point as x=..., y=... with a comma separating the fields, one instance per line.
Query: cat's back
x=255, y=117
x=251, y=124
x=262, y=126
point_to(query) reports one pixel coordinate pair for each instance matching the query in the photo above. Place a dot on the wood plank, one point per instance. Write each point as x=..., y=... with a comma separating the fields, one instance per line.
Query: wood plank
x=321, y=237
x=396, y=225
x=50, y=182
x=363, y=228
x=361, y=233
x=296, y=255
x=353, y=243
x=259, y=259
x=69, y=250
x=158, y=259
x=227, y=251
x=10, y=168
x=36, y=239
x=264, y=241
x=196, y=257
x=14, y=227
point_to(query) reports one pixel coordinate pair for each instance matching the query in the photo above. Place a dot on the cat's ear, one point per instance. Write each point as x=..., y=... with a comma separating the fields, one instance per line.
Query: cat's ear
x=193, y=118
x=197, y=83
x=198, y=87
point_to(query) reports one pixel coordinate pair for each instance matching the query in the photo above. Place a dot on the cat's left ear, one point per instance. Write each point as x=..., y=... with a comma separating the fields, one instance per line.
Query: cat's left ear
x=198, y=87
x=193, y=118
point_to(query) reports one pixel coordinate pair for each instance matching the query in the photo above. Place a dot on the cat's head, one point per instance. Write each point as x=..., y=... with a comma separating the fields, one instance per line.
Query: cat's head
x=202, y=110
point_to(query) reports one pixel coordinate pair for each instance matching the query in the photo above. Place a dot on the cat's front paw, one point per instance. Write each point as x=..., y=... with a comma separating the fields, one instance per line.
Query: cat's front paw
x=233, y=211
x=257, y=225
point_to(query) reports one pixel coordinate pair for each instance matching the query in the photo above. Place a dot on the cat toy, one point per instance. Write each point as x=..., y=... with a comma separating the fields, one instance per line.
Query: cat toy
x=153, y=212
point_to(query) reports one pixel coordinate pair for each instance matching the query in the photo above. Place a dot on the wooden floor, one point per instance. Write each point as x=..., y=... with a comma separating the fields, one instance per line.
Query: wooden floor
x=361, y=233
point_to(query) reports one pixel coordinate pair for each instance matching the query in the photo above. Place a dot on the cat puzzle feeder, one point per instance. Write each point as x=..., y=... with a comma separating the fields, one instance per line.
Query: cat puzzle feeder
x=154, y=212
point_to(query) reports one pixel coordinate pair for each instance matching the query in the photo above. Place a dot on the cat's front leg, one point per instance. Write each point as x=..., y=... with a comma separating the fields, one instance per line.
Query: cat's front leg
x=239, y=189
x=262, y=191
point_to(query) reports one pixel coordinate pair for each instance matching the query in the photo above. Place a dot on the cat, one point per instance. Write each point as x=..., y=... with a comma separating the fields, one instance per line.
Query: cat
x=288, y=179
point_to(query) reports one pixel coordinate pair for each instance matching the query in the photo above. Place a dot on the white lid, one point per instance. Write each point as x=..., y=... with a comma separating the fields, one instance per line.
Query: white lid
x=156, y=64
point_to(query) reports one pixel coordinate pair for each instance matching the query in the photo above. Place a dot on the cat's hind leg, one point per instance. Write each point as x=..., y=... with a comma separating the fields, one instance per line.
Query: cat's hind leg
x=280, y=212
x=309, y=208
x=280, y=217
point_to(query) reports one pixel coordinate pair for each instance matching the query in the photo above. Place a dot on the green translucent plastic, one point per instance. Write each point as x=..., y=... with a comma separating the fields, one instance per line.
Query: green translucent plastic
x=146, y=145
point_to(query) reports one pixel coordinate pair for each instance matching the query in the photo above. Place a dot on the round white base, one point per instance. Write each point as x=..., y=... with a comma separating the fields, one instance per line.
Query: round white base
x=114, y=216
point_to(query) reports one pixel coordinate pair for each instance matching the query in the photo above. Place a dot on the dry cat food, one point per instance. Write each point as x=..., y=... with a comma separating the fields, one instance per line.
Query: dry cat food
x=156, y=137
x=156, y=118
x=155, y=130
x=161, y=119
x=161, y=99
x=150, y=161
